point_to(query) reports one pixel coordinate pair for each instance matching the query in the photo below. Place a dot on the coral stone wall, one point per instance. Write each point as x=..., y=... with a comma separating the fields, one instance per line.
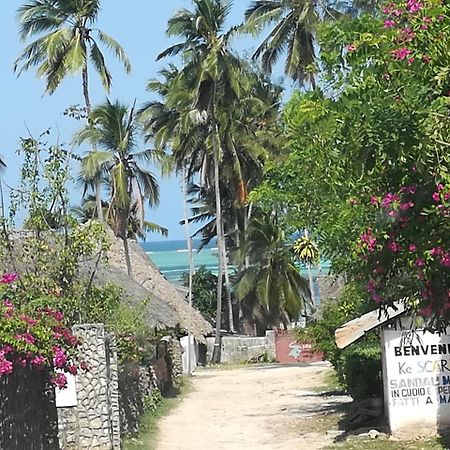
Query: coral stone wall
x=95, y=422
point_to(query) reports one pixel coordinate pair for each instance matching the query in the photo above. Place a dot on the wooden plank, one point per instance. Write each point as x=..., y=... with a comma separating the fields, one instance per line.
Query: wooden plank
x=357, y=328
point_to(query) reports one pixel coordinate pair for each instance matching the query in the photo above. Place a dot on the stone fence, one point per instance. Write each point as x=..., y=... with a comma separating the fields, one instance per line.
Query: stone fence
x=238, y=349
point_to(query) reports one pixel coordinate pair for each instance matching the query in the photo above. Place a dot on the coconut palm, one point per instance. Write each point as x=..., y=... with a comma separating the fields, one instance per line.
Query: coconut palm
x=66, y=42
x=271, y=277
x=293, y=34
x=136, y=228
x=113, y=128
x=218, y=77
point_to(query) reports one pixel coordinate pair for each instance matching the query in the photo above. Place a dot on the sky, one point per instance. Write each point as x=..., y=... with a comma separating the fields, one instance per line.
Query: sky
x=139, y=26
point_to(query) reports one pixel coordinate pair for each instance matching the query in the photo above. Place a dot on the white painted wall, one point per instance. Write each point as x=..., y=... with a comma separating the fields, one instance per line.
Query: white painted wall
x=417, y=381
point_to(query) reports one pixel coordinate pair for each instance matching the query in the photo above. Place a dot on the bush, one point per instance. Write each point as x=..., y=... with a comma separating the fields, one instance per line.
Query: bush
x=361, y=370
x=358, y=367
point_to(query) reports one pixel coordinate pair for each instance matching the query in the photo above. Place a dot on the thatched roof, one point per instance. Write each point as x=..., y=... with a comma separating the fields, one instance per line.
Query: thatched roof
x=148, y=276
x=165, y=306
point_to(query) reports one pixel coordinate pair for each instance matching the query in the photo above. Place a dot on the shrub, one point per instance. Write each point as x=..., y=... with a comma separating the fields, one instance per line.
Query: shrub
x=361, y=370
x=358, y=367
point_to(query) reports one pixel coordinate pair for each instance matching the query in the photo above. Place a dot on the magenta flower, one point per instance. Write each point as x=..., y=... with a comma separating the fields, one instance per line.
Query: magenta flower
x=60, y=380
x=388, y=199
x=26, y=337
x=445, y=260
x=436, y=196
x=426, y=59
x=351, y=48
x=394, y=246
x=407, y=205
x=8, y=278
x=426, y=311
x=420, y=262
x=6, y=367
x=413, y=6
x=374, y=201
x=401, y=54
x=412, y=248
x=389, y=23
x=38, y=361
x=60, y=358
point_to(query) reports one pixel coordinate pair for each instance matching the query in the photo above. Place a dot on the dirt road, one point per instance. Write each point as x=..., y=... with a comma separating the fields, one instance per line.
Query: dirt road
x=256, y=408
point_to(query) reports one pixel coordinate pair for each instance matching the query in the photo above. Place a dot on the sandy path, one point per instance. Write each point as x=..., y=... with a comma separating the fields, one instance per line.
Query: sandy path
x=266, y=407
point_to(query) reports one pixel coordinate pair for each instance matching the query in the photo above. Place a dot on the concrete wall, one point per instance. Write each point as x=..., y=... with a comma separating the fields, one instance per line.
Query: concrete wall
x=238, y=349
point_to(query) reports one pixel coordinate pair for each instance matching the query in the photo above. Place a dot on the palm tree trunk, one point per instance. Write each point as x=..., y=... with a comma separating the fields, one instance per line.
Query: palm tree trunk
x=218, y=341
x=190, y=255
x=227, y=283
x=127, y=254
x=87, y=102
x=98, y=199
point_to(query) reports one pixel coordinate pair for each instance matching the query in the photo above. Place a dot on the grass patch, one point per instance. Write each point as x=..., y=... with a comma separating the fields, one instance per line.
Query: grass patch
x=148, y=436
x=330, y=383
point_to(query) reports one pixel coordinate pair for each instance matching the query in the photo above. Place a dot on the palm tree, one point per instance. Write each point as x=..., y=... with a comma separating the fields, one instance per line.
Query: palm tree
x=137, y=229
x=293, y=34
x=271, y=278
x=113, y=128
x=218, y=76
x=65, y=43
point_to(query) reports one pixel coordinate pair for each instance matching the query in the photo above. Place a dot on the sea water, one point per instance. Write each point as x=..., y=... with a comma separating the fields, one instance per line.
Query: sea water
x=172, y=259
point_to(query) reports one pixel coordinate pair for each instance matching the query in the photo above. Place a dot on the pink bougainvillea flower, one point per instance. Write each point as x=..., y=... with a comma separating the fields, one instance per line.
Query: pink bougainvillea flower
x=369, y=239
x=73, y=369
x=394, y=246
x=410, y=189
x=410, y=61
x=412, y=248
x=374, y=201
x=8, y=278
x=28, y=320
x=401, y=54
x=445, y=260
x=38, y=361
x=389, y=23
x=420, y=262
x=440, y=187
x=376, y=298
x=351, y=48
x=426, y=59
x=60, y=358
x=26, y=337
x=426, y=311
x=436, y=251
x=407, y=205
x=388, y=199
x=413, y=6
x=59, y=380
x=436, y=196
x=6, y=366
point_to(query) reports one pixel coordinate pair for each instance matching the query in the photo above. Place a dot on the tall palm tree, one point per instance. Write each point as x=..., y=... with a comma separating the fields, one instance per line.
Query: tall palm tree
x=293, y=34
x=271, y=278
x=113, y=128
x=218, y=76
x=66, y=41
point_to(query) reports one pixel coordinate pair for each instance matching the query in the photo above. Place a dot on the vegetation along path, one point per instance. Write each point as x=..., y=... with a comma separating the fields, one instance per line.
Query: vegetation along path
x=258, y=407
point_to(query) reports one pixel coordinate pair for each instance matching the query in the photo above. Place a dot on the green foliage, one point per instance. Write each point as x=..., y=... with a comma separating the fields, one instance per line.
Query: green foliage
x=152, y=401
x=352, y=374
x=204, y=284
x=361, y=370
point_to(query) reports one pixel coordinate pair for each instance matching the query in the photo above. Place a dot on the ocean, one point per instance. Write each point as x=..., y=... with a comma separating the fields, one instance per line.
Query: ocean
x=172, y=259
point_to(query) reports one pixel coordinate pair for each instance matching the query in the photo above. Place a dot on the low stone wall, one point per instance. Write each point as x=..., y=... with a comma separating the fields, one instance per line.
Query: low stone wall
x=238, y=349
x=136, y=384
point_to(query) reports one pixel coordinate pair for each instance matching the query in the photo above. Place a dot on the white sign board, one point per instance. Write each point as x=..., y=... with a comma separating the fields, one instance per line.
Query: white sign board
x=67, y=397
x=416, y=380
